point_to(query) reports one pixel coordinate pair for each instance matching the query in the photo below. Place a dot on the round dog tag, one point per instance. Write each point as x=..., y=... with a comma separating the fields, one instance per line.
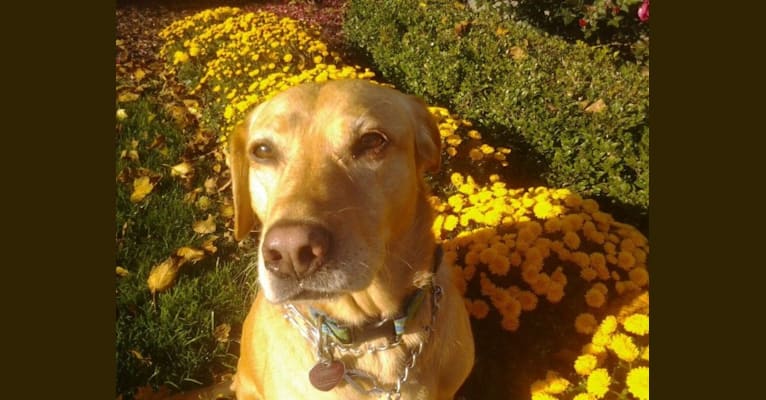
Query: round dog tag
x=325, y=376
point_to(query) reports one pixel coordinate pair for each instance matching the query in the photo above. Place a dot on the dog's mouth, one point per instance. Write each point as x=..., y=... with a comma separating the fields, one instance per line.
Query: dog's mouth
x=329, y=281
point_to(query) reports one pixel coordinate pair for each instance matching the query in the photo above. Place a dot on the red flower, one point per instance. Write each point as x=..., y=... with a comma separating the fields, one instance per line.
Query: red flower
x=643, y=11
x=582, y=22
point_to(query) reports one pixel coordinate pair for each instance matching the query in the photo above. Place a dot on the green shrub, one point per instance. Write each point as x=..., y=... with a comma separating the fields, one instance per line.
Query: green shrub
x=578, y=111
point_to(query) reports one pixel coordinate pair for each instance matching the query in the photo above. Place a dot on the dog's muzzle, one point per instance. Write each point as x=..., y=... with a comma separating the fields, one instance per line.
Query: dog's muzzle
x=296, y=250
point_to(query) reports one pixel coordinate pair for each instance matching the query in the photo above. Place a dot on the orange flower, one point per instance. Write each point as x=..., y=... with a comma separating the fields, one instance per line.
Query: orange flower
x=572, y=240
x=588, y=274
x=479, y=309
x=528, y=300
x=595, y=298
x=639, y=276
x=555, y=292
x=625, y=260
x=585, y=323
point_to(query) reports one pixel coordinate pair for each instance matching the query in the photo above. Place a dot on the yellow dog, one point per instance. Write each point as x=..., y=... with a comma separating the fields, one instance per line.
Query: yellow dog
x=353, y=302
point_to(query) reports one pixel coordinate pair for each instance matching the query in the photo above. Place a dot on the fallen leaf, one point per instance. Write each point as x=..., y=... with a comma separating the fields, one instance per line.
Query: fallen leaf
x=181, y=169
x=141, y=187
x=596, y=107
x=210, y=185
x=139, y=74
x=127, y=97
x=227, y=210
x=158, y=141
x=133, y=155
x=137, y=354
x=221, y=332
x=206, y=226
x=208, y=245
x=163, y=276
x=122, y=271
x=190, y=254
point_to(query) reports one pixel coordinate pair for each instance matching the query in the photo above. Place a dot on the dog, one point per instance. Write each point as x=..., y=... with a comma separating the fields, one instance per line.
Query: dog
x=353, y=302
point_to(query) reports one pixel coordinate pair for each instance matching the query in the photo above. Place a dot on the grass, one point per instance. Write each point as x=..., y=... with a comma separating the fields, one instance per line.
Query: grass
x=170, y=340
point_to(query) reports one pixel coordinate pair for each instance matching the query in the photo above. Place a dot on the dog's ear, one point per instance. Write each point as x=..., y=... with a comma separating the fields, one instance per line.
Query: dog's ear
x=427, y=138
x=239, y=164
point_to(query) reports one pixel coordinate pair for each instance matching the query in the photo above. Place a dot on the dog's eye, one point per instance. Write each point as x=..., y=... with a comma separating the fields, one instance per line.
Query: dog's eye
x=370, y=143
x=262, y=152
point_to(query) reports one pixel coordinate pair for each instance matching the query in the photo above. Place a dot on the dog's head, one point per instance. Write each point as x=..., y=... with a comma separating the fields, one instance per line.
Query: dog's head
x=334, y=174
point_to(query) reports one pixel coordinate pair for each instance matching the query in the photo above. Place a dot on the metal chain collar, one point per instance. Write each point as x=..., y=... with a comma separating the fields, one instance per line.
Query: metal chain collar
x=352, y=376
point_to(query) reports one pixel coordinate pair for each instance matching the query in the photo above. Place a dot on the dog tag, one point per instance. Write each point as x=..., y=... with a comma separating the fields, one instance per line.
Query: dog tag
x=325, y=376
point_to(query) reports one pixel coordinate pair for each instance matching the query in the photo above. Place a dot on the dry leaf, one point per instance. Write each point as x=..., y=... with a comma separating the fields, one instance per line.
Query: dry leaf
x=222, y=332
x=127, y=97
x=122, y=272
x=227, y=210
x=181, y=169
x=597, y=107
x=139, y=74
x=190, y=254
x=208, y=245
x=141, y=187
x=210, y=185
x=163, y=276
x=140, y=357
x=206, y=226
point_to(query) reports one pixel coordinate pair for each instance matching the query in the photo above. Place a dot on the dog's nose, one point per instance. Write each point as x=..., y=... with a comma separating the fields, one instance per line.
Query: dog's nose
x=295, y=249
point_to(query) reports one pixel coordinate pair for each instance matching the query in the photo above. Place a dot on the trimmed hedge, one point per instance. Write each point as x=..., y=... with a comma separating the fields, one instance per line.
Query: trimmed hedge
x=577, y=111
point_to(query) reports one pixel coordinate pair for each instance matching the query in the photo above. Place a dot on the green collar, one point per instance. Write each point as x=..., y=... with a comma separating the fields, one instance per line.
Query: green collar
x=347, y=335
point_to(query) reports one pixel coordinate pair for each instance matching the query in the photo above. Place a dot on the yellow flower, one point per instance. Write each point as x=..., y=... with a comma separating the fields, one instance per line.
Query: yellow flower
x=555, y=292
x=598, y=382
x=475, y=154
x=622, y=345
x=638, y=382
x=180, y=57
x=583, y=396
x=585, y=364
x=585, y=323
x=457, y=179
x=487, y=149
x=637, y=324
x=474, y=134
x=608, y=325
x=450, y=222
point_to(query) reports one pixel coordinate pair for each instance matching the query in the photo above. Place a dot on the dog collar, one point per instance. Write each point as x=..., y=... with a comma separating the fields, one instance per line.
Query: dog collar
x=392, y=328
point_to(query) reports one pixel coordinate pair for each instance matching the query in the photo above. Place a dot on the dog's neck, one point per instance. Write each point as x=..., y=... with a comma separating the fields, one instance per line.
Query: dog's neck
x=410, y=256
